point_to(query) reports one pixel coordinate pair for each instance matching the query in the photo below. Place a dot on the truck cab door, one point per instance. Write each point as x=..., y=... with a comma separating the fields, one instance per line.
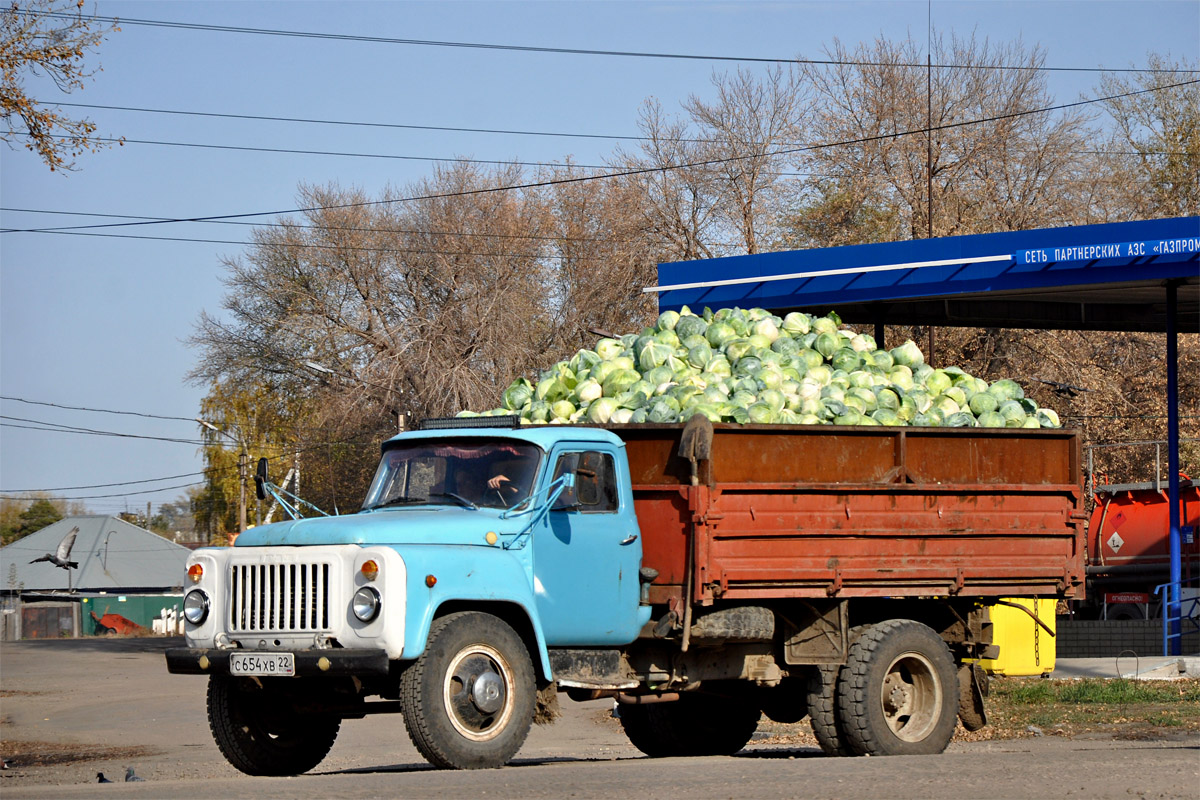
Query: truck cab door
x=587, y=552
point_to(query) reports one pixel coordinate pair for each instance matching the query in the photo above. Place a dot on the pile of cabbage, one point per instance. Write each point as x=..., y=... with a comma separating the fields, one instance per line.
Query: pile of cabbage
x=750, y=366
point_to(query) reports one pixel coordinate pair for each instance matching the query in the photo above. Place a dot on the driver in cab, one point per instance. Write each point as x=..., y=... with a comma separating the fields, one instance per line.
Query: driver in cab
x=511, y=478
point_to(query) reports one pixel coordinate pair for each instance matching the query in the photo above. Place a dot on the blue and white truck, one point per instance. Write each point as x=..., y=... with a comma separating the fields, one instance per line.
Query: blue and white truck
x=701, y=575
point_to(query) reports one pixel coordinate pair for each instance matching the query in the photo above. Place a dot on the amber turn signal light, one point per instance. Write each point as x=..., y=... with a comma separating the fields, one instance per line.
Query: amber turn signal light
x=195, y=573
x=430, y=580
x=369, y=570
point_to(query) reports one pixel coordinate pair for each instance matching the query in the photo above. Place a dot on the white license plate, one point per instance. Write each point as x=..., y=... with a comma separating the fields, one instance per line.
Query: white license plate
x=262, y=664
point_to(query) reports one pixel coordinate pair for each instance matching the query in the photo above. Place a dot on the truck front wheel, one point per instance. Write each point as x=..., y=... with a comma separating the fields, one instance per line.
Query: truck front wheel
x=468, y=701
x=694, y=725
x=898, y=693
x=258, y=732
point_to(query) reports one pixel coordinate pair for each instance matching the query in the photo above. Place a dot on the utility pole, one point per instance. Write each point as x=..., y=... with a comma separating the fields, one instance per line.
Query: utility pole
x=242, y=459
x=929, y=147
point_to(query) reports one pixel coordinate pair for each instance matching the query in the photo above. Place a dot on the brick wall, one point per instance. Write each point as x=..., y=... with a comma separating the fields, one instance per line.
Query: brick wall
x=1102, y=638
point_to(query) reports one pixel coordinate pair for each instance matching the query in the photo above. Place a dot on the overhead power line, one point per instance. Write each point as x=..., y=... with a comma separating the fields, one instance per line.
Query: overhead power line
x=97, y=410
x=339, y=154
x=562, y=134
x=122, y=494
x=353, y=123
x=485, y=161
x=343, y=37
x=625, y=173
x=16, y=494
x=57, y=428
x=324, y=228
x=297, y=245
x=207, y=472
x=103, y=485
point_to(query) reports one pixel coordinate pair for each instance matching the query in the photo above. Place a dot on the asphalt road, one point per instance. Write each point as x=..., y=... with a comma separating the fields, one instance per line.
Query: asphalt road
x=77, y=698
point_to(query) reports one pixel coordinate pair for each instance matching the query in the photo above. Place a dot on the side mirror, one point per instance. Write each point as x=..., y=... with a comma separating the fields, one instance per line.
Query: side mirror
x=260, y=477
x=566, y=498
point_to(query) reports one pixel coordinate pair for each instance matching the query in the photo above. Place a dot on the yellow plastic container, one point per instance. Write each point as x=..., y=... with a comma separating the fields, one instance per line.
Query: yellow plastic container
x=1026, y=648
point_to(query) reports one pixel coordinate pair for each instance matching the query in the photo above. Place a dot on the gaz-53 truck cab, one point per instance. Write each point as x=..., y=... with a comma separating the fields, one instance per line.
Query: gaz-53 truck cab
x=474, y=553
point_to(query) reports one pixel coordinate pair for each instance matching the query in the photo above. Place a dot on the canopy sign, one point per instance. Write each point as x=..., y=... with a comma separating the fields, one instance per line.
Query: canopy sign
x=1095, y=252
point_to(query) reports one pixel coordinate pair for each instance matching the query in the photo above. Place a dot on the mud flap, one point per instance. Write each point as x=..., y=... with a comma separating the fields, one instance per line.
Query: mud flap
x=972, y=681
x=547, y=709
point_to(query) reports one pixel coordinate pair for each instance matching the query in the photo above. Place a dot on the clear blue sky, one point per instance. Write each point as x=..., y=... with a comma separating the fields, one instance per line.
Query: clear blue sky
x=102, y=322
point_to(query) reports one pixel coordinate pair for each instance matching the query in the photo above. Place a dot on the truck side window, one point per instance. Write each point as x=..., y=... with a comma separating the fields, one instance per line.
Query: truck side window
x=595, y=482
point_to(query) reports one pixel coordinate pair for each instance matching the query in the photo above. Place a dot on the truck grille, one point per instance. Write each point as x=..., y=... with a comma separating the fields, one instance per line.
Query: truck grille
x=279, y=597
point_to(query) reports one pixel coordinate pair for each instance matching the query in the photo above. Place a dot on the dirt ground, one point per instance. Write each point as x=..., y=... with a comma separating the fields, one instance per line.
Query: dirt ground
x=70, y=709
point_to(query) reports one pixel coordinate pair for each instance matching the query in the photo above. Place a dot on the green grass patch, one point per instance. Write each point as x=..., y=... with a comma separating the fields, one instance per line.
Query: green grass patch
x=1026, y=707
x=1099, y=692
x=1117, y=707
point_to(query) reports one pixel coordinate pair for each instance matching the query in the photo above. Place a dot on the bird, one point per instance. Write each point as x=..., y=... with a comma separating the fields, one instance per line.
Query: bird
x=60, y=556
x=1064, y=389
x=130, y=777
x=101, y=779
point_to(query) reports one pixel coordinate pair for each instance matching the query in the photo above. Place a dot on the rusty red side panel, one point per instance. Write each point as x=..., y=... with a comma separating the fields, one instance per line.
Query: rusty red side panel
x=815, y=511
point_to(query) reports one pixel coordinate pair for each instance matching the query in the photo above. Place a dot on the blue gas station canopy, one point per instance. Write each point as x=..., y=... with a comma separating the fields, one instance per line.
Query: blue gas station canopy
x=1087, y=277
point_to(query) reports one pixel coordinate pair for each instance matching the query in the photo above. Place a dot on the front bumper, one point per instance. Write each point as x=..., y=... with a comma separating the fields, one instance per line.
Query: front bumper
x=334, y=661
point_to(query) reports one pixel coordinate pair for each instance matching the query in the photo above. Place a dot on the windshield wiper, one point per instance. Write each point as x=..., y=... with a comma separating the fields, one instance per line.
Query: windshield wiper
x=461, y=500
x=398, y=501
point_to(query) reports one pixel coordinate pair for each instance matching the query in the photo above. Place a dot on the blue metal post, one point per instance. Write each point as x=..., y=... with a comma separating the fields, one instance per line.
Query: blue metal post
x=1173, y=593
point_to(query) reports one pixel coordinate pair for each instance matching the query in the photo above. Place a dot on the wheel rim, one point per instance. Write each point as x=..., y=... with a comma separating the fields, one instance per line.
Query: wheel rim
x=477, y=692
x=911, y=697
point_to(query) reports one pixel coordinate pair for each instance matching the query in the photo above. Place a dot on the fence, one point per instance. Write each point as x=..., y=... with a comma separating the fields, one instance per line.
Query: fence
x=1176, y=626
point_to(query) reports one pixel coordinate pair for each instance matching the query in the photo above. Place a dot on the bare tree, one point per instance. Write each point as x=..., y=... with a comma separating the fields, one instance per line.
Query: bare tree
x=51, y=37
x=747, y=130
x=601, y=257
x=996, y=162
x=1153, y=153
x=430, y=300
x=715, y=183
x=429, y=306
x=679, y=202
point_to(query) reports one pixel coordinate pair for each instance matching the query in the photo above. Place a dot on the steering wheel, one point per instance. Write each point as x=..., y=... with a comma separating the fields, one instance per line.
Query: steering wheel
x=505, y=487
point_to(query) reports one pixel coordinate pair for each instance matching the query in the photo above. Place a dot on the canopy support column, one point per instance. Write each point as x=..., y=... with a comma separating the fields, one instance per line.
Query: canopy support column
x=1172, y=598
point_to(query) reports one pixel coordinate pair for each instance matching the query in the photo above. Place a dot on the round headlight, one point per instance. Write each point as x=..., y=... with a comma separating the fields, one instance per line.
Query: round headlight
x=365, y=604
x=195, y=607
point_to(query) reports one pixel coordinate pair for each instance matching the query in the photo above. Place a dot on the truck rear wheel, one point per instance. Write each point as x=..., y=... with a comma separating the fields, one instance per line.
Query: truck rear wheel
x=822, y=712
x=468, y=701
x=822, y=704
x=898, y=693
x=259, y=734
x=694, y=725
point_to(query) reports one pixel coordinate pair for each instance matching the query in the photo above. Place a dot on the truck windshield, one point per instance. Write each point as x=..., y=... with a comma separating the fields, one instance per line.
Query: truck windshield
x=472, y=473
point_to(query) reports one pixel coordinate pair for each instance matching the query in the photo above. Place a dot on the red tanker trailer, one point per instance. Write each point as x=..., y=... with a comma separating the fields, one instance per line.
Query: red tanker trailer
x=1128, y=550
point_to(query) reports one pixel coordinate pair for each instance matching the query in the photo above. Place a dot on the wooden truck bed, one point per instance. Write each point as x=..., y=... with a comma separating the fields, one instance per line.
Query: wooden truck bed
x=820, y=511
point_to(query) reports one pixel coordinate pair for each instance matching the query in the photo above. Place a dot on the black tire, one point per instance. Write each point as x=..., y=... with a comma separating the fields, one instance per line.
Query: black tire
x=452, y=725
x=898, y=693
x=822, y=711
x=694, y=725
x=822, y=704
x=259, y=734
x=1126, y=611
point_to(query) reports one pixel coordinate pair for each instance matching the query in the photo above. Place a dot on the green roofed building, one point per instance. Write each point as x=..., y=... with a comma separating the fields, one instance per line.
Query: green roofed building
x=123, y=570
